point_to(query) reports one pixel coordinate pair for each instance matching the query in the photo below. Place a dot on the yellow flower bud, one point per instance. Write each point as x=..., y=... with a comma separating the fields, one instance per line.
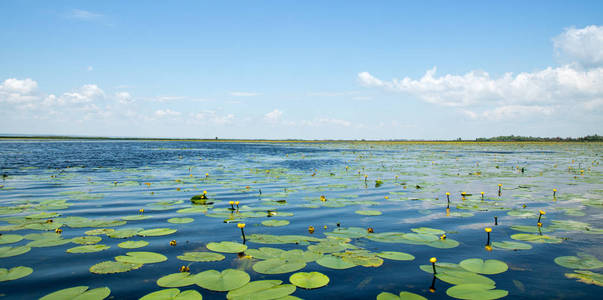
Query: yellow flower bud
x=433, y=260
x=488, y=229
x=241, y=225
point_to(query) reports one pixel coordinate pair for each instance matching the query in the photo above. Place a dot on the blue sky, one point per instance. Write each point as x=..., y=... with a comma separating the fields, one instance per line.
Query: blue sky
x=302, y=69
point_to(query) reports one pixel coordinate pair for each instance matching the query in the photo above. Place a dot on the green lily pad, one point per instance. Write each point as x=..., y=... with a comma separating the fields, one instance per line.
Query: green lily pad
x=156, y=232
x=369, y=212
x=48, y=242
x=201, y=256
x=173, y=294
x=463, y=277
x=86, y=240
x=393, y=255
x=79, y=293
x=582, y=261
x=226, y=280
x=510, y=245
x=278, y=266
x=176, y=280
x=180, y=220
x=536, y=238
x=475, y=291
x=587, y=277
x=334, y=262
x=124, y=233
x=100, y=231
x=108, y=267
x=10, y=238
x=135, y=217
x=226, y=247
x=309, y=280
x=275, y=223
x=43, y=215
x=88, y=248
x=265, y=252
x=428, y=230
x=132, y=244
x=478, y=265
x=403, y=296
x=261, y=289
x=14, y=273
x=141, y=257
x=13, y=251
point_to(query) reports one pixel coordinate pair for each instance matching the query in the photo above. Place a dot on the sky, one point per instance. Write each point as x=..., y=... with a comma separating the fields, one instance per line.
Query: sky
x=301, y=69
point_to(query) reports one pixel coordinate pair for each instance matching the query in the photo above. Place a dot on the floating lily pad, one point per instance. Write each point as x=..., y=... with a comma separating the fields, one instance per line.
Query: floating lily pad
x=14, y=273
x=587, y=277
x=48, y=242
x=135, y=217
x=124, y=233
x=86, y=240
x=141, y=257
x=334, y=262
x=275, y=223
x=180, y=220
x=478, y=265
x=179, y=279
x=100, y=231
x=536, y=238
x=201, y=256
x=13, y=251
x=88, y=248
x=582, y=261
x=10, y=238
x=475, y=291
x=173, y=294
x=265, y=252
x=226, y=280
x=278, y=266
x=132, y=244
x=156, y=232
x=393, y=255
x=309, y=280
x=428, y=230
x=226, y=247
x=249, y=290
x=79, y=293
x=463, y=277
x=510, y=245
x=403, y=296
x=108, y=267
x=369, y=212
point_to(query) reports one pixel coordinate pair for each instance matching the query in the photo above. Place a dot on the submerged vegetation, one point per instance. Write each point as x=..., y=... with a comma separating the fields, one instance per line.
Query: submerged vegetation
x=188, y=220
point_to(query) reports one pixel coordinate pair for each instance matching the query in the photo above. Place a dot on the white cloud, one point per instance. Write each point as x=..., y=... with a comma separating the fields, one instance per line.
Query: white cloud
x=244, y=94
x=166, y=113
x=86, y=93
x=14, y=90
x=273, y=116
x=212, y=118
x=543, y=92
x=123, y=97
x=582, y=46
x=326, y=121
x=90, y=68
x=84, y=15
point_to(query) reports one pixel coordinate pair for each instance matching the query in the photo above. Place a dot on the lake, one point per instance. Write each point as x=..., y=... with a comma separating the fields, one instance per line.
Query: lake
x=367, y=216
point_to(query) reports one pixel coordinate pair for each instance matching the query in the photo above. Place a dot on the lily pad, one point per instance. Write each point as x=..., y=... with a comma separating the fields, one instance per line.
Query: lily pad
x=334, y=262
x=179, y=279
x=262, y=289
x=478, y=265
x=475, y=291
x=10, y=238
x=135, y=218
x=582, y=261
x=428, y=230
x=536, y=238
x=278, y=266
x=88, y=248
x=14, y=273
x=369, y=212
x=180, y=220
x=86, y=240
x=463, y=277
x=48, y=242
x=403, y=296
x=393, y=255
x=173, y=294
x=201, y=256
x=309, y=280
x=226, y=247
x=108, y=267
x=124, y=233
x=226, y=280
x=156, y=232
x=275, y=223
x=510, y=245
x=132, y=244
x=587, y=277
x=141, y=257
x=100, y=231
x=13, y=251
x=79, y=293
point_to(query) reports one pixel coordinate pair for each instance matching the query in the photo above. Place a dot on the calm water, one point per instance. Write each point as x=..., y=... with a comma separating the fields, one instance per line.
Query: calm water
x=111, y=180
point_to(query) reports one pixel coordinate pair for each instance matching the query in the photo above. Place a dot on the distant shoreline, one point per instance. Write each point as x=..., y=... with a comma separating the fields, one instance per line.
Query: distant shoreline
x=506, y=139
